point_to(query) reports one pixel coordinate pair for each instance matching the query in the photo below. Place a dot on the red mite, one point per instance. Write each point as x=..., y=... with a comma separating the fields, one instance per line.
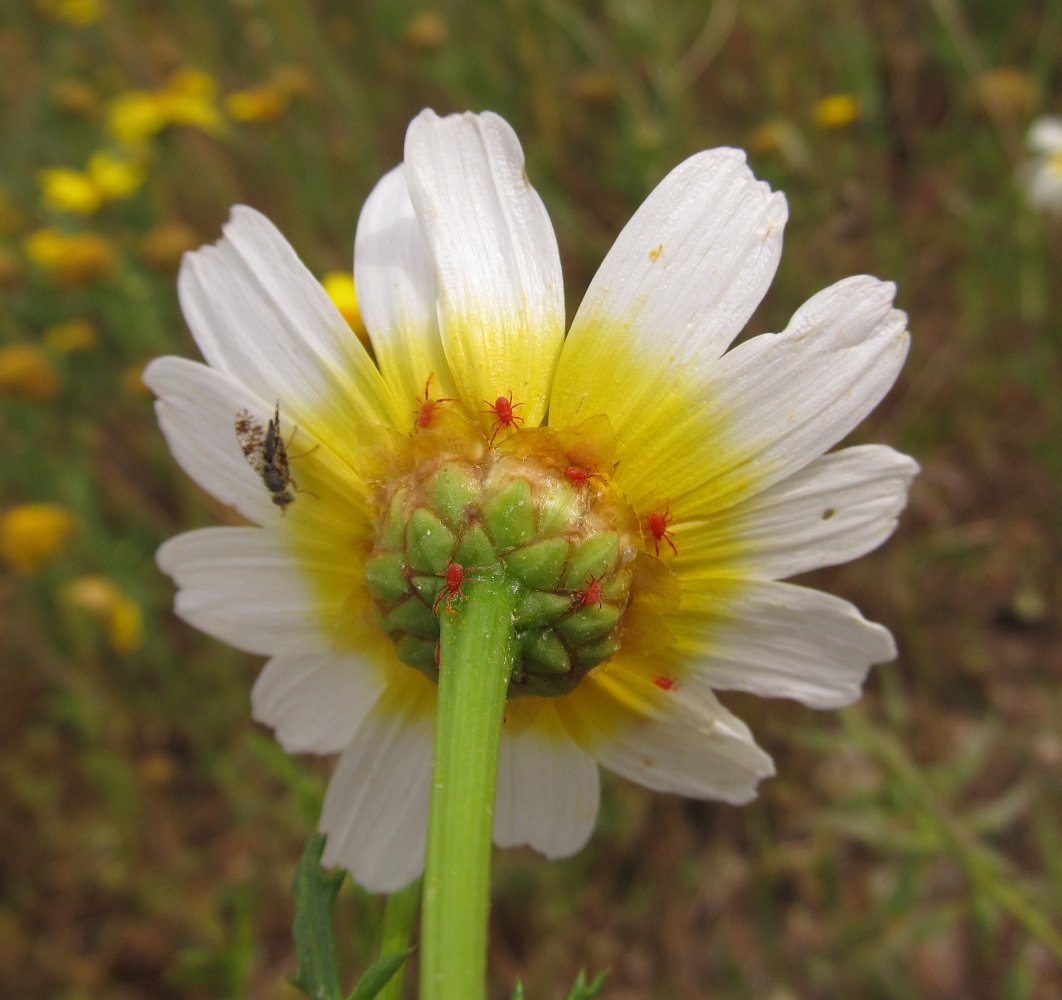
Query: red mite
x=455, y=576
x=665, y=683
x=577, y=474
x=503, y=408
x=426, y=411
x=658, y=526
x=592, y=594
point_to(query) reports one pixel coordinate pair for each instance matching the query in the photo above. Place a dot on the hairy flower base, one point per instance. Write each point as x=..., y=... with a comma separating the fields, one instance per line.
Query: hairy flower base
x=538, y=507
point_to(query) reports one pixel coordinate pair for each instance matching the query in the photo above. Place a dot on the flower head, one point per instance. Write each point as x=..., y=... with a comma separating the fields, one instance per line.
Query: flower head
x=72, y=258
x=257, y=104
x=1008, y=90
x=79, y=13
x=269, y=101
x=783, y=138
x=643, y=526
x=340, y=288
x=74, y=335
x=836, y=111
x=33, y=534
x=189, y=98
x=26, y=373
x=120, y=615
x=164, y=245
x=68, y=190
x=1042, y=175
x=106, y=178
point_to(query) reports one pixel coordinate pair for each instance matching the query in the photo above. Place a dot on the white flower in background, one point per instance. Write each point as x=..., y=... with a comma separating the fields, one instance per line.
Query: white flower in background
x=647, y=526
x=1042, y=175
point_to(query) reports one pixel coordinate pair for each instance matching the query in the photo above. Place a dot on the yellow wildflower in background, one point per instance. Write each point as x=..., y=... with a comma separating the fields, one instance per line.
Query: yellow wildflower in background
x=340, y=288
x=269, y=101
x=115, y=176
x=165, y=244
x=33, y=534
x=293, y=81
x=66, y=190
x=125, y=627
x=72, y=259
x=259, y=104
x=103, y=599
x=1006, y=89
x=74, y=335
x=134, y=116
x=836, y=111
x=426, y=31
x=25, y=373
x=594, y=87
x=79, y=13
x=188, y=99
x=75, y=97
x=781, y=137
x=107, y=178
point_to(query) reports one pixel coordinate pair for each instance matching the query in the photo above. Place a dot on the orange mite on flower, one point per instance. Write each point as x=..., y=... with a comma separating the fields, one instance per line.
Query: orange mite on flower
x=657, y=523
x=629, y=610
x=425, y=412
x=592, y=595
x=503, y=408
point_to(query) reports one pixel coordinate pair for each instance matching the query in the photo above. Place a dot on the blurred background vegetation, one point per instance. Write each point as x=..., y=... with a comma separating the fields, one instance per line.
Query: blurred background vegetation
x=910, y=846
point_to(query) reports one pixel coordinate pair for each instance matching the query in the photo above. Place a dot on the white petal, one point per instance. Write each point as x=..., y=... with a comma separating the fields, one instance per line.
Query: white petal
x=548, y=791
x=838, y=508
x=259, y=315
x=779, y=641
x=1045, y=135
x=670, y=741
x=196, y=410
x=242, y=586
x=315, y=702
x=395, y=278
x=376, y=809
x=772, y=404
x=1044, y=184
x=501, y=300
x=679, y=284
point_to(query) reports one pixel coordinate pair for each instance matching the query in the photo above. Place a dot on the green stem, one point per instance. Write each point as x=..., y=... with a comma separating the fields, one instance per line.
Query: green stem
x=477, y=655
x=399, y=915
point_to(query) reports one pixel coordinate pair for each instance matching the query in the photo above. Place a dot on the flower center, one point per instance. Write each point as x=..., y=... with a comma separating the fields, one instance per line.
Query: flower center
x=536, y=506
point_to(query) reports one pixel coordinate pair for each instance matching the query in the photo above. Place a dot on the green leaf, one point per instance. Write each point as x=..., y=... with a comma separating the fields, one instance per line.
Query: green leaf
x=315, y=898
x=378, y=975
x=518, y=991
x=584, y=991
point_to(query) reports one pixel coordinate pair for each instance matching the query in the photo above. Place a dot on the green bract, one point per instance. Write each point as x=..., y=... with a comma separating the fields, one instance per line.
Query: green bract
x=564, y=550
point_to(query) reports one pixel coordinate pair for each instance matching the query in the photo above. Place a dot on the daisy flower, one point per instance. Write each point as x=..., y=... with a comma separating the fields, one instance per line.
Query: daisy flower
x=1042, y=175
x=643, y=487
